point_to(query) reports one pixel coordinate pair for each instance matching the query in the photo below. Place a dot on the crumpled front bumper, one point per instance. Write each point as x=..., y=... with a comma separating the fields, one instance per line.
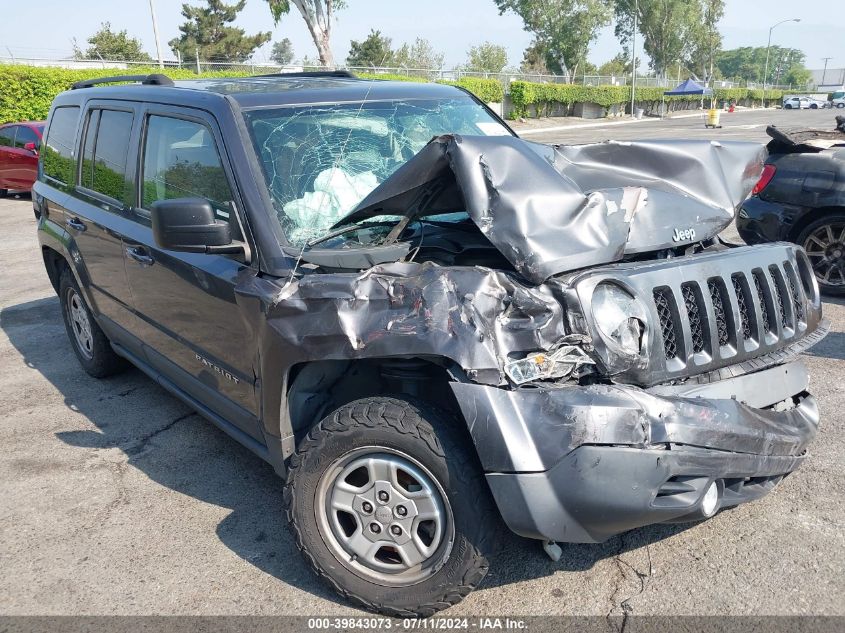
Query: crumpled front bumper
x=581, y=464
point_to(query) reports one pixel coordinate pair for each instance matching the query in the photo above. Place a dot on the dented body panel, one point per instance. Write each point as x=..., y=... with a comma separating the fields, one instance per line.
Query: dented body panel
x=552, y=209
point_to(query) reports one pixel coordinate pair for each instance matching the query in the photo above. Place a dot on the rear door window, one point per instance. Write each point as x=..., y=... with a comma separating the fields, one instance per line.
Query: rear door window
x=181, y=160
x=59, y=162
x=26, y=135
x=7, y=136
x=105, y=152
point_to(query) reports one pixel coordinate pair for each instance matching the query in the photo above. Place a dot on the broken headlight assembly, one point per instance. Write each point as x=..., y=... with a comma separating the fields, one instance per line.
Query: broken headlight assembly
x=559, y=362
x=619, y=317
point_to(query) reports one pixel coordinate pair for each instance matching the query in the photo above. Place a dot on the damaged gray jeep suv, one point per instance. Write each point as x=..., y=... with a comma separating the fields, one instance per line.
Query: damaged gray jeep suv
x=427, y=325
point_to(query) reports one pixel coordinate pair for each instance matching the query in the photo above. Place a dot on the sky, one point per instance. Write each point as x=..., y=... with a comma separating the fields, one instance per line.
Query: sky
x=46, y=28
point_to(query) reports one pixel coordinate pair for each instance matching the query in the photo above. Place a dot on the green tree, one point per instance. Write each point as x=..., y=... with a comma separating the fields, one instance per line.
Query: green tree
x=318, y=16
x=706, y=39
x=207, y=30
x=562, y=29
x=534, y=60
x=487, y=57
x=668, y=28
x=749, y=62
x=107, y=44
x=420, y=54
x=282, y=52
x=619, y=65
x=373, y=51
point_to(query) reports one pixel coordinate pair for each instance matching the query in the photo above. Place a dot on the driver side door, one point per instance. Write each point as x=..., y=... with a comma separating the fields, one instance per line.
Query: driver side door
x=189, y=323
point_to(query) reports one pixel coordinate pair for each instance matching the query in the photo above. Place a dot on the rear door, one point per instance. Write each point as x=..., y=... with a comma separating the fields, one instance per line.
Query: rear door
x=26, y=168
x=7, y=144
x=189, y=321
x=95, y=210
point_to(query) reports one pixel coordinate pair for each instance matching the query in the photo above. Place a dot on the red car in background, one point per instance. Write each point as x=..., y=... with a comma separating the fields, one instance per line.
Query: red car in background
x=19, y=143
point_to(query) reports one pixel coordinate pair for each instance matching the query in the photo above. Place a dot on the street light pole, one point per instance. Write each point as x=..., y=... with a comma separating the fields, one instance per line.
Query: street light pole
x=634, y=57
x=766, y=71
x=155, y=32
x=824, y=72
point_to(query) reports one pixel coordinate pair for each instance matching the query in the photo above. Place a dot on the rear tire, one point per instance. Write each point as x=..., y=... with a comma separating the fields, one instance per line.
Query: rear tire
x=824, y=242
x=3, y=193
x=89, y=343
x=345, y=501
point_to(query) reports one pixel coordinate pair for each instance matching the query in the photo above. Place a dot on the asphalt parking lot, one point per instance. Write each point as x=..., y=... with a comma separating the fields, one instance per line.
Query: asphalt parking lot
x=738, y=126
x=115, y=498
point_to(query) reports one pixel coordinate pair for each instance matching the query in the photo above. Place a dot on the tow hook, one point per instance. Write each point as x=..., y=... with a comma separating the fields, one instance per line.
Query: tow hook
x=553, y=550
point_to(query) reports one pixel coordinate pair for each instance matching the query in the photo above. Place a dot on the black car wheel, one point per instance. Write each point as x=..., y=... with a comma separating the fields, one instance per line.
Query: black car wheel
x=824, y=241
x=89, y=343
x=388, y=503
x=814, y=107
x=3, y=193
x=840, y=105
x=787, y=107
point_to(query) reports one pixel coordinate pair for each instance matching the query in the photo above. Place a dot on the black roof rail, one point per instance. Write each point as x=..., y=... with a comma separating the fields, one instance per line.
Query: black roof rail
x=155, y=79
x=342, y=74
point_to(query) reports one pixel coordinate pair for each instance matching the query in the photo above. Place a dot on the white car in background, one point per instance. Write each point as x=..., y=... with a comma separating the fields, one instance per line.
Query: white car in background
x=796, y=103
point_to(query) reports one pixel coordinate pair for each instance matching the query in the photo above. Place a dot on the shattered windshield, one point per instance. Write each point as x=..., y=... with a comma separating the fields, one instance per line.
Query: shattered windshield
x=320, y=161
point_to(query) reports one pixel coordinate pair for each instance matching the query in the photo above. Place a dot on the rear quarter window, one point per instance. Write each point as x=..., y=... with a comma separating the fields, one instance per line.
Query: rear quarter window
x=7, y=136
x=58, y=158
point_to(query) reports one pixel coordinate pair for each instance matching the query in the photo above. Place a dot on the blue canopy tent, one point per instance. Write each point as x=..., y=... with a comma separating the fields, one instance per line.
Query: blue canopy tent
x=688, y=87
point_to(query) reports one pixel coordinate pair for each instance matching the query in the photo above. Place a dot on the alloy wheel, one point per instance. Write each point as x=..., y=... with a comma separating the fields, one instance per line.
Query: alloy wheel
x=826, y=249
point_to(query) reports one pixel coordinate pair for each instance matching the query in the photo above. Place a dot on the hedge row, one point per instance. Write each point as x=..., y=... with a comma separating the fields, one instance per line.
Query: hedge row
x=545, y=97
x=27, y=91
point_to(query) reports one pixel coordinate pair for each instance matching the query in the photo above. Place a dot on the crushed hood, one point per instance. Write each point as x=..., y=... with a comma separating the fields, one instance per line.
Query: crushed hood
x=552, y=209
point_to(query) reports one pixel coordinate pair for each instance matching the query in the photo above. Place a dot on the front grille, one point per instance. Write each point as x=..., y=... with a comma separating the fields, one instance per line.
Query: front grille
x=759, y=282
x=719, y=310
x=797, y=299
x=667, y=328
x=729, y=313
x=779, y=290
x=743, y=302
x=694, y=316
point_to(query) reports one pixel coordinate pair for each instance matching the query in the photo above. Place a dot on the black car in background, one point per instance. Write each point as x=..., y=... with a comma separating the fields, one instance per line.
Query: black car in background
x=801, y=198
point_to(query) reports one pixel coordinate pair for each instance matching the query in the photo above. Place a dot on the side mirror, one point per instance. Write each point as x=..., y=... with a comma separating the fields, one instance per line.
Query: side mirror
x=32, y=147
x=189, y=225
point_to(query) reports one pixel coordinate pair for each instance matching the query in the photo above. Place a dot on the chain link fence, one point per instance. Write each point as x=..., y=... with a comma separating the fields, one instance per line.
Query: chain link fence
x=263, y=68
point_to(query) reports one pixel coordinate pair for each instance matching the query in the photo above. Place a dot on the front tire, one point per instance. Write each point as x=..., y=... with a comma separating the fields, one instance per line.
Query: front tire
x=824, y=242
x=388, y=503
x=89, y=343
x=787, y=107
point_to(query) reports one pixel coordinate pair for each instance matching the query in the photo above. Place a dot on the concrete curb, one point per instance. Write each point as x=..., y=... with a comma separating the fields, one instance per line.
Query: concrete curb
x=577, y=126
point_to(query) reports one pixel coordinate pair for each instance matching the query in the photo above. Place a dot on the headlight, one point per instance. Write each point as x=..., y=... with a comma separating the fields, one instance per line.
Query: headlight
x=620, y=318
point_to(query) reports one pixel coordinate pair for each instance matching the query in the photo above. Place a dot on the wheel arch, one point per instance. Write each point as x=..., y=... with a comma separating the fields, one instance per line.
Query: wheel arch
x=809, y=217
x=55, y=263
x=315, y=388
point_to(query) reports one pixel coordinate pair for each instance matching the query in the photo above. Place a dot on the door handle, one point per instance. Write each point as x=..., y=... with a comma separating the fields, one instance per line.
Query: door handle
x=140, y=255
x=76, y=224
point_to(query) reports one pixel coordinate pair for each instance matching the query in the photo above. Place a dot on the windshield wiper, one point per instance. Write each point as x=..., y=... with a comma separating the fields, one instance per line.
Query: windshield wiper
x=343, y=231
